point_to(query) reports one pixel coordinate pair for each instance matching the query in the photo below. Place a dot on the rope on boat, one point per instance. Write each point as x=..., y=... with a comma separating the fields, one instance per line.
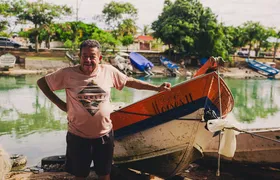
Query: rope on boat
x=253, y=134
x=221, y=114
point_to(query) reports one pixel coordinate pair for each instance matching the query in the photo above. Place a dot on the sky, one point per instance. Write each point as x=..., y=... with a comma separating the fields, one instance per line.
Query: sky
x=231, y=12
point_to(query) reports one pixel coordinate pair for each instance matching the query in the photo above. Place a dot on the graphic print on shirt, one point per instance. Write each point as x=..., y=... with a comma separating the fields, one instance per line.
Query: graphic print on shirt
x=91, y=96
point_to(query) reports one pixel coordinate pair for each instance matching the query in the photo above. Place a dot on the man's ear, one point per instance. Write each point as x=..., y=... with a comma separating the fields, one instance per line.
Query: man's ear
x=100, y=57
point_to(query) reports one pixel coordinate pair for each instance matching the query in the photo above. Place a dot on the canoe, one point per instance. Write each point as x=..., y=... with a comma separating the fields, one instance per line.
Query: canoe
x=171, y=67
x=249, y=149
x=141, y=63
x=262, y=68
x=156, y=135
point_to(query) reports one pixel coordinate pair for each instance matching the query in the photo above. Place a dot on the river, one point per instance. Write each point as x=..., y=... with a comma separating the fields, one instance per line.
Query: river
x=31, y=125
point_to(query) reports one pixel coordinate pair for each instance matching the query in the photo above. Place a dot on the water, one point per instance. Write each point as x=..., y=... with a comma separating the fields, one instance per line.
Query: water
x=31, y=125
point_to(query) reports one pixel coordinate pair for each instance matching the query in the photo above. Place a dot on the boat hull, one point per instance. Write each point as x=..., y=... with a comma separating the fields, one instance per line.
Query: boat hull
x=140, y=62
x=249, y=149
x=156, y=135
x=163, y=150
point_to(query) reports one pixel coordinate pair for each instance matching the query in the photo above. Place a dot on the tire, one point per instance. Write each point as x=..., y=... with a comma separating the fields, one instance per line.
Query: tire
x=16, y=46
x=53, y=160
x=53, y=163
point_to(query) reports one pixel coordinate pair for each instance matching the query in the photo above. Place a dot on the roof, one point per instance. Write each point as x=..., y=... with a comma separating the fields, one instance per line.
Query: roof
x=145, y=38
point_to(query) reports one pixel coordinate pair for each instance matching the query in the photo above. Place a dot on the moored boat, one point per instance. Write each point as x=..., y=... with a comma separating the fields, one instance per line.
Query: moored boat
x=170, y=66
x=262, y=68
x=7, y=61
x=141, y=63
x=156, y=135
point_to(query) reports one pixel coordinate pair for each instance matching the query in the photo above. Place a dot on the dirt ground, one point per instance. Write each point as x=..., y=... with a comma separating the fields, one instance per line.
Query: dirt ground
x=200, y=170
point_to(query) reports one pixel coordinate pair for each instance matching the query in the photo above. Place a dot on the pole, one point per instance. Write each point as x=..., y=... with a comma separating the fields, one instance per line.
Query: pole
x=77, y=10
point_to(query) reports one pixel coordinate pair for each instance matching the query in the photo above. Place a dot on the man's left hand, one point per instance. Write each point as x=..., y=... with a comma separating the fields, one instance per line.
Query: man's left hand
x=166, y=86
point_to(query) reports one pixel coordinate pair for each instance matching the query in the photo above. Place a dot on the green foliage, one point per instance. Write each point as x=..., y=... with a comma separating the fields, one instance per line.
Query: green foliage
x=127, y=40
x=4, y=34
x=127, y=27
x=116, y=12
x=40, y=13
x=120, y=18
x=68, y=43
x=146, y=30
x=106, y=39
x=190, y=28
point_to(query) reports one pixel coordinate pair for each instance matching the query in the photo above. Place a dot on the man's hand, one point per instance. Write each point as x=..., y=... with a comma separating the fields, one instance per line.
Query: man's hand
x=166, y=86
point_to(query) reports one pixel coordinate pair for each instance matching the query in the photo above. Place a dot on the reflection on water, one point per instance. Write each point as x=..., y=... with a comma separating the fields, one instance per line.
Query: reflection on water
x=256, y=102
x=30, y=124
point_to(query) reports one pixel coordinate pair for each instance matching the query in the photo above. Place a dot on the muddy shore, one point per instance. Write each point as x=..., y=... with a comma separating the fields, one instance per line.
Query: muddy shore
x=33, y=67
x=200, y=170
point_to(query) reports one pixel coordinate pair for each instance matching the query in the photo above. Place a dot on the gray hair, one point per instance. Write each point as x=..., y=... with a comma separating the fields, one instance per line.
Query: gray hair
x=91, y=44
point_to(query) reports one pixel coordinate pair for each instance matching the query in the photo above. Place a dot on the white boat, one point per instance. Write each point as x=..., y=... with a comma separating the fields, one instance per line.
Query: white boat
x=7, y=61
x=122, y=62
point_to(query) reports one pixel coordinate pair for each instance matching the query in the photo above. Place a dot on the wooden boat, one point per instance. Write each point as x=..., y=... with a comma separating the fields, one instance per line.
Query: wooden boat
x=7, y=61
x=249, y=149
x=156, y=135
x=171, y=67
x=141, y=63
x=262, y=68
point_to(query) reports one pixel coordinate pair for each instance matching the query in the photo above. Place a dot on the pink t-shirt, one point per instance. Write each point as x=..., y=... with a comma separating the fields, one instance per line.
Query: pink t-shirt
x=88, y=97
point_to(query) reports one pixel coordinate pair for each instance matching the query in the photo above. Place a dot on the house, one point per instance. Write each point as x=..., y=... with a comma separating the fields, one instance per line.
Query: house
x=144, y=42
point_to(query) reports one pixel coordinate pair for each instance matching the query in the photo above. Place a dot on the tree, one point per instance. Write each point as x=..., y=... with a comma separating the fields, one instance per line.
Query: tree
x=106, y=39
x=146, y=30
x=115, y=13
x=188, y=27
x=252, y=32
x=120, y=18
x=127, y=40
x=5, y=21
x=39, y=13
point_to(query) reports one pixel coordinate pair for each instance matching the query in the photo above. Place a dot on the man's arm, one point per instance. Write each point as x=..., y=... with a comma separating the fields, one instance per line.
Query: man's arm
x=51, y=95
x=138, y=84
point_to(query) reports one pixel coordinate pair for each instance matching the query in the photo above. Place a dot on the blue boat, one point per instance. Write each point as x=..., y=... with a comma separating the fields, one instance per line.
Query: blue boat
x=141, y=63
x=171, y=67
x=262, y=68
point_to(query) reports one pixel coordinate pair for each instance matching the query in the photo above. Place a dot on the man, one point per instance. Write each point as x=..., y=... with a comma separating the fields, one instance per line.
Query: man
x=88, y=87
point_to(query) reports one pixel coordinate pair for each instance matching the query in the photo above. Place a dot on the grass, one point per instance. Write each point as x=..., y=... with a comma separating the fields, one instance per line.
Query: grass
x=46, y=58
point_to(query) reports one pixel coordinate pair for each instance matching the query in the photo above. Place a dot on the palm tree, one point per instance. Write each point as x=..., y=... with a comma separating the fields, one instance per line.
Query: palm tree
x=146, y=30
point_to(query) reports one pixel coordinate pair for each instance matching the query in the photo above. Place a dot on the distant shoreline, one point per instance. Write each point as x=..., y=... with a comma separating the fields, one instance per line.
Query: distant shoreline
x=43, y=67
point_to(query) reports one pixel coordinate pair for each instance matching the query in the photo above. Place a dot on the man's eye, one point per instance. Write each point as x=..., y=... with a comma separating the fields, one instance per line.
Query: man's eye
x=90, y=57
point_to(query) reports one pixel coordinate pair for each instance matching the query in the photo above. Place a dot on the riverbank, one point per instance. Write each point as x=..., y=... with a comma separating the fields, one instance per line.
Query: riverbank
x=33, y=67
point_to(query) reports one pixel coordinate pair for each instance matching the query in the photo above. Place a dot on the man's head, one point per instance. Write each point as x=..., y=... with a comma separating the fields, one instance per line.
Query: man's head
x=90, y=56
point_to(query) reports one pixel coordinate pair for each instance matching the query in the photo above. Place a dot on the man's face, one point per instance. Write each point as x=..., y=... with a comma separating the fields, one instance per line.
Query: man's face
x=89, y=59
